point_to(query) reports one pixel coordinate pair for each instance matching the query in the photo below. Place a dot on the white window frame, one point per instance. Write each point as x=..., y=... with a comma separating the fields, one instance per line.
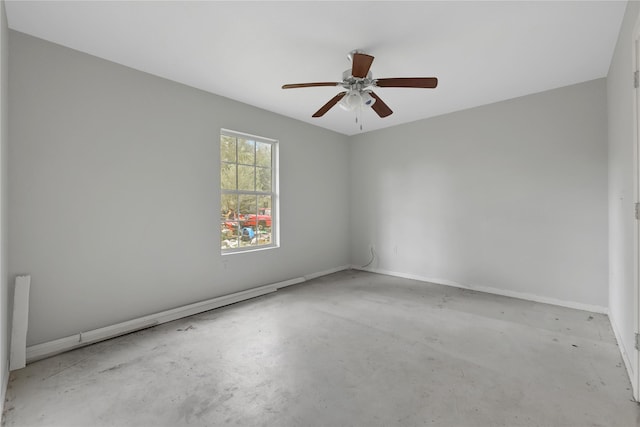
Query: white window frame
x=274, y=193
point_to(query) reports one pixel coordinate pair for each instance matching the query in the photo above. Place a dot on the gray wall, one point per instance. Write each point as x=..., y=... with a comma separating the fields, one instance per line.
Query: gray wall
x=510, y=196
x=4, y=141
x=620, y=100
x=114, y=198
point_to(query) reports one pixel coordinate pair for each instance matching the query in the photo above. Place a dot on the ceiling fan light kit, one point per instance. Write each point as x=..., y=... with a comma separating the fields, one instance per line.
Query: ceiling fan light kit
x=357, y=82
x=355, y=99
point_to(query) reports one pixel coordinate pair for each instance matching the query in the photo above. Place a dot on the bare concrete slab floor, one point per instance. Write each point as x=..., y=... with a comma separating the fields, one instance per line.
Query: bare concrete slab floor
x=350, y=349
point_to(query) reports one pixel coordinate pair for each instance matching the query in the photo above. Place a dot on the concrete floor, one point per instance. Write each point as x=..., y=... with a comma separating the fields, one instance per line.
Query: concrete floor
x=349, y=349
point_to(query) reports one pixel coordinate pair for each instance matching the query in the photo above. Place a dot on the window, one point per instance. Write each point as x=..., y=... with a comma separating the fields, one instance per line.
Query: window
x=248, y=184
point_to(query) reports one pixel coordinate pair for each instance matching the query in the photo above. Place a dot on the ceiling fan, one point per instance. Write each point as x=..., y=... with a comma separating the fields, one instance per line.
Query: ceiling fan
x=358, y=81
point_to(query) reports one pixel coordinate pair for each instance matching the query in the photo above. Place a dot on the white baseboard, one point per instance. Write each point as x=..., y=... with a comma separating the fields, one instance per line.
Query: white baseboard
x=289, y=282
x=3, y=391
x=626, y=359
x=51, y=348
x=490, y=290
x=326, y=272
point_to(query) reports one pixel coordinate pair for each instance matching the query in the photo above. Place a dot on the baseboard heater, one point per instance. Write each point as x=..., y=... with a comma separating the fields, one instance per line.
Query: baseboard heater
x=51, y=348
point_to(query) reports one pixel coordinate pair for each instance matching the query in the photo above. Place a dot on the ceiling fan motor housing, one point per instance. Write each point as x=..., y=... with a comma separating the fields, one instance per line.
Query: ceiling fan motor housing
x=354, y=83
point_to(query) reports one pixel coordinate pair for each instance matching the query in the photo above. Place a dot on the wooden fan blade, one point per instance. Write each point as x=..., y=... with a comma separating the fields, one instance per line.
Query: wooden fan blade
x=380, y=107
x=415, y=82
x=361, y=65
x=326, y=107
x=297, y=85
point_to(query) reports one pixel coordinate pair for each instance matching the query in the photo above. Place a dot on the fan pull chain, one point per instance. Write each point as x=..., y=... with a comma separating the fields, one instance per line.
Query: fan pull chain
x=359, y=117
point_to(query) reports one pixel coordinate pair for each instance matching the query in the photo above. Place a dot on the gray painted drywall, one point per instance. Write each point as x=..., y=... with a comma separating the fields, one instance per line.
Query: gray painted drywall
x=113, y=186
x=620, y=99
x=510, y=196
x=114, y=192
x=4, y=138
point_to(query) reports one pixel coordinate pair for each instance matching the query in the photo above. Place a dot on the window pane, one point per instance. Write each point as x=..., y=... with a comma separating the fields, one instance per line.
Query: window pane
x=230, y=235
x=229, y=224
x=246, y=152
x=229, y=206
x=248, y=206
x=264, y=205
x=263, y=181
x=263, y=231
x=248, y=209
x=228, y=176
x=246, y=178
x=227, y=148
x=263, y=154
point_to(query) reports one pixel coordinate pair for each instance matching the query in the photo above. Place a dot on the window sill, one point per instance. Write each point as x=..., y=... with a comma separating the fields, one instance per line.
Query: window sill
x=248, y=250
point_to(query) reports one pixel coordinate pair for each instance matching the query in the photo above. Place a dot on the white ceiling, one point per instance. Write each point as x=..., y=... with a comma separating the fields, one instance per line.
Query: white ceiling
x=482, y=52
